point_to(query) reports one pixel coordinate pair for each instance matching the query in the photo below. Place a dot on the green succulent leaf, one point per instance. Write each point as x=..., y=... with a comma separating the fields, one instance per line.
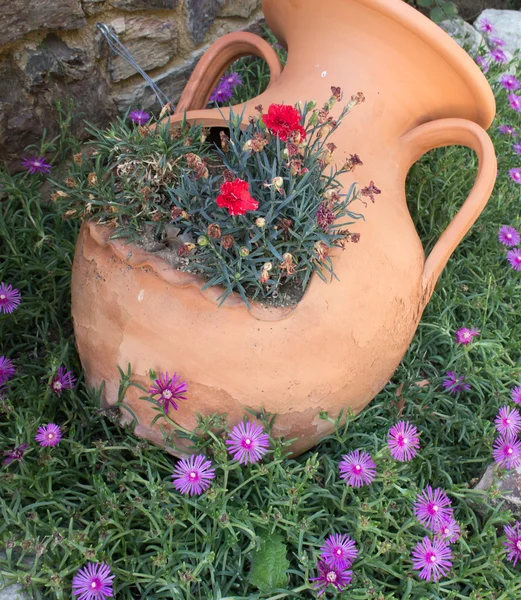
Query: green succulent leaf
x=270, y=564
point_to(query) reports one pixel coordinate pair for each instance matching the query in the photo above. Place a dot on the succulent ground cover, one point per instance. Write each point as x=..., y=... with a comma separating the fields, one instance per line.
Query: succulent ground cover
x=383, y=509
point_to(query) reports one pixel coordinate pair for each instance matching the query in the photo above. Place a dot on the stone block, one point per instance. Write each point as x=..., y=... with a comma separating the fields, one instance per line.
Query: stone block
x=470, y=9
x=201, y=14
x=144, y=4
x=152, y=41
x=239, y=8
x=19, y=17
x=93, y=7
x=463, y=33
x=509, y=487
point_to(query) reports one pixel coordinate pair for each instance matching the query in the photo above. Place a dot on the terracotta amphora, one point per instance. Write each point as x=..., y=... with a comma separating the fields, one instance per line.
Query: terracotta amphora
x=341, y=344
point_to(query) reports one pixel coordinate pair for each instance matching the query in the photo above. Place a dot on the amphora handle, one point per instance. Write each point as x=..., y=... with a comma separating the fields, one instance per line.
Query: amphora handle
x=454, y=132
x=214, y=62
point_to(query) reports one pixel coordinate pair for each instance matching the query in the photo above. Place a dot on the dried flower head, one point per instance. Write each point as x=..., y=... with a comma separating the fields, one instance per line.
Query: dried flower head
x=214, y=231
x=370, y=191
x=15, y=454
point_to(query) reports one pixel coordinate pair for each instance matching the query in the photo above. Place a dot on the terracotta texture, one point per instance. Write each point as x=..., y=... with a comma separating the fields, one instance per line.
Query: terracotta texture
x=343, y=341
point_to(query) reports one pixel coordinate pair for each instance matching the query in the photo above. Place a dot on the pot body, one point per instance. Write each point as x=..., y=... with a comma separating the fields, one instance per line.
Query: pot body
x=340, y=345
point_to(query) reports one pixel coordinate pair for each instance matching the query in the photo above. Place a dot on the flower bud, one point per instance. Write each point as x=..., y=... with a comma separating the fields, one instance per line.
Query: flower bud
x=285, y=154
x=277, y=183
x=202, y=241
x=243, y=251
x=260, y=222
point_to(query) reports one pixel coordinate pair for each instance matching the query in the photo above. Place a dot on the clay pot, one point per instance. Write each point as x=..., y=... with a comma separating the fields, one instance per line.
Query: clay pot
x=340, y=345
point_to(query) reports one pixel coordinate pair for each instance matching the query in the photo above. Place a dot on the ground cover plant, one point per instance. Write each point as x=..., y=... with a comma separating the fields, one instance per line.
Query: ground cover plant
x=101, y=505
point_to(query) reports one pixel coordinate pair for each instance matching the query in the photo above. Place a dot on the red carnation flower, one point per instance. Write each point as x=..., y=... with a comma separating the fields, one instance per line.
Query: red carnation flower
x=282, y=120
x=235, y=197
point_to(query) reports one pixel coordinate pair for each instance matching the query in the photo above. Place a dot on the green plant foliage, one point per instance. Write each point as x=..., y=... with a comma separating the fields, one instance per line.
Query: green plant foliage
x=270, y=564
x=439, y=10
x=103, y=495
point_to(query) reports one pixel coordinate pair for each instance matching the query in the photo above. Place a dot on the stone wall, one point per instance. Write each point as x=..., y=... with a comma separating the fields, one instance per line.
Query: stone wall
x=50, y=50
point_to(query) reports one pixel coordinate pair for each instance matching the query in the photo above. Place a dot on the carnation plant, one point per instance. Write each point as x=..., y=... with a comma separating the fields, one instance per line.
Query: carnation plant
x=257, y=211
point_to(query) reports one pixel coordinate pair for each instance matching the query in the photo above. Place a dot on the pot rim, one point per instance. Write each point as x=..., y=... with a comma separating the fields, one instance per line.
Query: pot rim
x=136, y=257
x=425, y=29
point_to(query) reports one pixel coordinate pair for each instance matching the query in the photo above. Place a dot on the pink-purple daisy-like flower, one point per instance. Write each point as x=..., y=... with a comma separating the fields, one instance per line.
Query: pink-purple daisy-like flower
x=483, y=64
x=513, y=543
x=327, y=575
x=486, y=26
x=339, y=551
x=507, y=452
x=7, y=369
x=514, y=258
x=508, y=236
x=222, y=93
x=516, y=395
x=248, y=443
x=9, y=298
x=515, y=102
x=357, y=468
x=508, y=421
x=193, y=475
x=496, y=42
x=509, y=82
x=36, y=164
x=169, y=390
x=15, y=454
x=63, y=380
x=498, y=54
x=140, y=117
x=48, y=435
x=455, y=383
x=403, y=441
x=93, y=582
x=432, y=558
x=449, y=531
x=232, y=79
x=432, y=507
x=465, y=336
x=517, y=148
x=507, y=130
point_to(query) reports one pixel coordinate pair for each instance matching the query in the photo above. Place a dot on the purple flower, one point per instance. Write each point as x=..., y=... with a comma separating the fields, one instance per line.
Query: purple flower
x=63, y=380
x=232, y=79
x=507, y=452
x=513, y=543
x=169, y=390
x=455, y=383
x=516, y=395
x=338, y=578
x=357, y=468
x=247, y=443
x=509, y=82
x=339, y=551
x=433, y=559
x=449, y=530
x=465, y=336
x=36, y=164
x=496, y=42
x=193, y=475
x=483, y=64
x=486, y=26
x=15, y=454
x=499, y=55
x=508, y=236
x=140, y=117
x=507, y=130
x=9, y=298
x=508, y=421
x=515, y=102
x=48, y=435
x=403, y=441
x=93, y=582
x=6, y=369
x=432, y=508
x=222, y=93
x=517, y=148
x=514, y=258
